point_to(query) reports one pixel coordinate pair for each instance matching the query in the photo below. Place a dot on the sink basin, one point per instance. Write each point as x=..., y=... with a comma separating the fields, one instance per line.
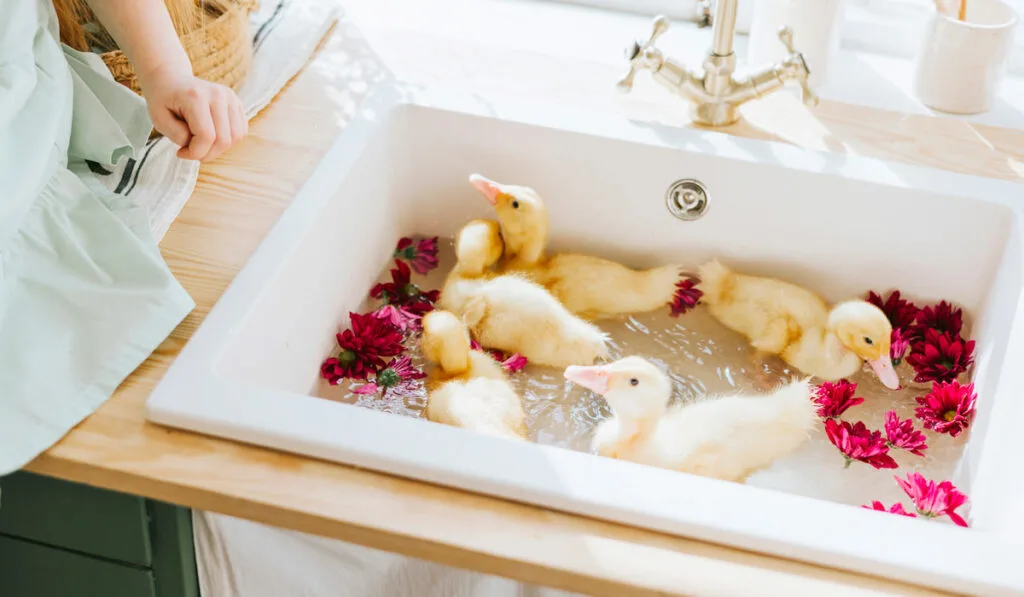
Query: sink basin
x=840, y=224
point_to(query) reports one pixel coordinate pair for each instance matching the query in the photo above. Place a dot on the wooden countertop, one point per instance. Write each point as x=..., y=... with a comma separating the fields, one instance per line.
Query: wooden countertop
x=238, y=199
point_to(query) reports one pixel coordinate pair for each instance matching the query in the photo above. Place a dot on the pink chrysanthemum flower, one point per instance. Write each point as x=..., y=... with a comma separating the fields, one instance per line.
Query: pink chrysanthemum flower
x=899, y=344
x=942, y=317
x=948, y=408
x=940, y=357
x=901, y=312
x=363, y=347
x=686, y=297
x=896, y=508
x=933, y=499
x=421, y=254
x=512, y=364
x=400, y=317
x=857, y=442
x=833, y=399
x=398, y=373
x=902, y=434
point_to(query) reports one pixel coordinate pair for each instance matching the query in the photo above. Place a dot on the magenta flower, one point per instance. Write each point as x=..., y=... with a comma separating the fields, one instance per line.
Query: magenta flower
x=398, y=373
x=901, y=434
x=400, y=317
x=940, y=357
x=833, y=399
x=686, y=297
x=421, y=254
x=901, y=312
x=857, y=442
x=363, y=347
x=512, y=364
x=402, y=292
x=934, y=499
x=948, y=408
x=899, y=344
x=896, y=508
x=941, y=318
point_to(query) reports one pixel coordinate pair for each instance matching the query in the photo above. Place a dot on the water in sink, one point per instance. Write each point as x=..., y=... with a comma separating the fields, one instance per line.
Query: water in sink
x=703, y=358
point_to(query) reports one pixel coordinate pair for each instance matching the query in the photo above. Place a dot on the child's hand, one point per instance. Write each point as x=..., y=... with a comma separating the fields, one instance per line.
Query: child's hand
x=203, y=118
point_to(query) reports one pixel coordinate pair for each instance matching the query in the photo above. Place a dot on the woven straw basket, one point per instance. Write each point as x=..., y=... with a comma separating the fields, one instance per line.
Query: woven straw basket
x=220, y=50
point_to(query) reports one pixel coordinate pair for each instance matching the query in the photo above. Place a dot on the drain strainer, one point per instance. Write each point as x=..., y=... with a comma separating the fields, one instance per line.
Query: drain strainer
x=687, y=199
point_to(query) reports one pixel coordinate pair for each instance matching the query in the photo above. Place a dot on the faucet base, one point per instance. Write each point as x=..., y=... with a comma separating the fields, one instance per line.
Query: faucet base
x=714, y=114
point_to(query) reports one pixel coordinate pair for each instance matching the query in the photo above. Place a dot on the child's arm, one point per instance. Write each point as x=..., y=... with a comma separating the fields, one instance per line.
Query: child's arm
x=203, y=118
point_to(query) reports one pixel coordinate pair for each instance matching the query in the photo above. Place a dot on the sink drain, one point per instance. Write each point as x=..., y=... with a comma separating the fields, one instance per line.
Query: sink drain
x=687, y=199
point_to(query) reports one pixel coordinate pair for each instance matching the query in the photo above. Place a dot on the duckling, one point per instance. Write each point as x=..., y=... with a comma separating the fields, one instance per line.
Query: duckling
x=467, y=388
x=589, y=286
x=511, y=313
x=786, y=320
x=726, y=438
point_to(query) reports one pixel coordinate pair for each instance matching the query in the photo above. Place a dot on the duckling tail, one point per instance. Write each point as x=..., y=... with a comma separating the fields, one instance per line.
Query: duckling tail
x=445, y=341
x=795, y=407
x=716, y=281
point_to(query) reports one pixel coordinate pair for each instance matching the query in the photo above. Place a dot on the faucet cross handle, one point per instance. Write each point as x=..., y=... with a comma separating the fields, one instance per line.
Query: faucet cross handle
x=643, y=54
x=799, y=67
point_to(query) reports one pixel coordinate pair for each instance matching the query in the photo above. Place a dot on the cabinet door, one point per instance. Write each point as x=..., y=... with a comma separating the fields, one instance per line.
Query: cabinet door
x=31, y=570
x=76, y=517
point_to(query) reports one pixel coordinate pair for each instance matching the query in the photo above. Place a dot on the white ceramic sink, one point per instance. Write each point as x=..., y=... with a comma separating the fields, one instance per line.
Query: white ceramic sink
x=401, y=168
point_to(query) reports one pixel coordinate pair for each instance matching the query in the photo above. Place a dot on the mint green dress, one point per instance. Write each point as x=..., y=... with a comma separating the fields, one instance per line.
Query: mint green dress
x=85, y=296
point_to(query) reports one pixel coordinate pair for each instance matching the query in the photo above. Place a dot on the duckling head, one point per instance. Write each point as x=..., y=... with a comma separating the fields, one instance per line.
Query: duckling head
x=478, y=246
x=445, y=341
x=632, y=386
x=865, y=330
x=522, y=214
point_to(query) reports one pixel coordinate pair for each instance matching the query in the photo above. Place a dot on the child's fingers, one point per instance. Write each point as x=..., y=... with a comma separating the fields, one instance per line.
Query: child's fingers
x=197, y=114
x=239, y=123
x=222, y=123
x=170, y=126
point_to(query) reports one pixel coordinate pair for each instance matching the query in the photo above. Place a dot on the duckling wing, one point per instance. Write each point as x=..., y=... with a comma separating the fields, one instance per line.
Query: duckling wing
x=600, y=287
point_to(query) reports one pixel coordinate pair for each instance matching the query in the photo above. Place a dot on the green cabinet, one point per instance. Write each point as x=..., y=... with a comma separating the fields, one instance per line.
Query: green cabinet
x=60, y=539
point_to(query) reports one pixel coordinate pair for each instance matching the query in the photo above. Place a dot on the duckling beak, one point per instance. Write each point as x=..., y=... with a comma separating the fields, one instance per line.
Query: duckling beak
x=594, y=379
x=487, y=187
x=886, y=373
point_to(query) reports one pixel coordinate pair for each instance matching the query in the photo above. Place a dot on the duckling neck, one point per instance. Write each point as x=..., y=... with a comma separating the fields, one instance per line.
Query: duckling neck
x=633, y=429
x=838, y=361
x=528, y=250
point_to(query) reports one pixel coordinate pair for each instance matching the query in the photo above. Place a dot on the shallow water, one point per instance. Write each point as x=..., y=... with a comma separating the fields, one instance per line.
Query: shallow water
x=703, y=359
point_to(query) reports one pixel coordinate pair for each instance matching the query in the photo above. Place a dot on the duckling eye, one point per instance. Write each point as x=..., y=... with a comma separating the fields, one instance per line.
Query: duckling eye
x=868, y=341
x=634, y=381
x=515, y=205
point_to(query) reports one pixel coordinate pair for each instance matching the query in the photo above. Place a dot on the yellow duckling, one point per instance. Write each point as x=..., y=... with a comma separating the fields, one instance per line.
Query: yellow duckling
x=586, y=285
x=511, y=313
x=726, y=438
x=467, y=388
x=796, y=324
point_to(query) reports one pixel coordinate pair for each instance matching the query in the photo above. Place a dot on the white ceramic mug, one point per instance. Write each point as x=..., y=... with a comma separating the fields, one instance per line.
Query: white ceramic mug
x=961, y=63
x=815, y=25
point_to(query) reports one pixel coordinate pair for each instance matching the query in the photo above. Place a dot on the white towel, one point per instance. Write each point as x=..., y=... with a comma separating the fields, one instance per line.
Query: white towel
x=239, y=558
x=285, y=34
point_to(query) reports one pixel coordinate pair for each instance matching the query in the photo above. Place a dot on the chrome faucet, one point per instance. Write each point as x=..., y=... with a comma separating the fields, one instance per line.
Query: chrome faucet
x=716, y=91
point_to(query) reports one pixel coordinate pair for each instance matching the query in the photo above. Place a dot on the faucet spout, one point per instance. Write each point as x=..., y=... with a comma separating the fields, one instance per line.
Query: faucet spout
x=724, y=27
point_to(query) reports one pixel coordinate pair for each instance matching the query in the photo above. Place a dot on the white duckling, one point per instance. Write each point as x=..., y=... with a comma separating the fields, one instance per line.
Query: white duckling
x=467, y=388
x=509, y=312
x=786, y=320
x=726, y=438
x=588, y=286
